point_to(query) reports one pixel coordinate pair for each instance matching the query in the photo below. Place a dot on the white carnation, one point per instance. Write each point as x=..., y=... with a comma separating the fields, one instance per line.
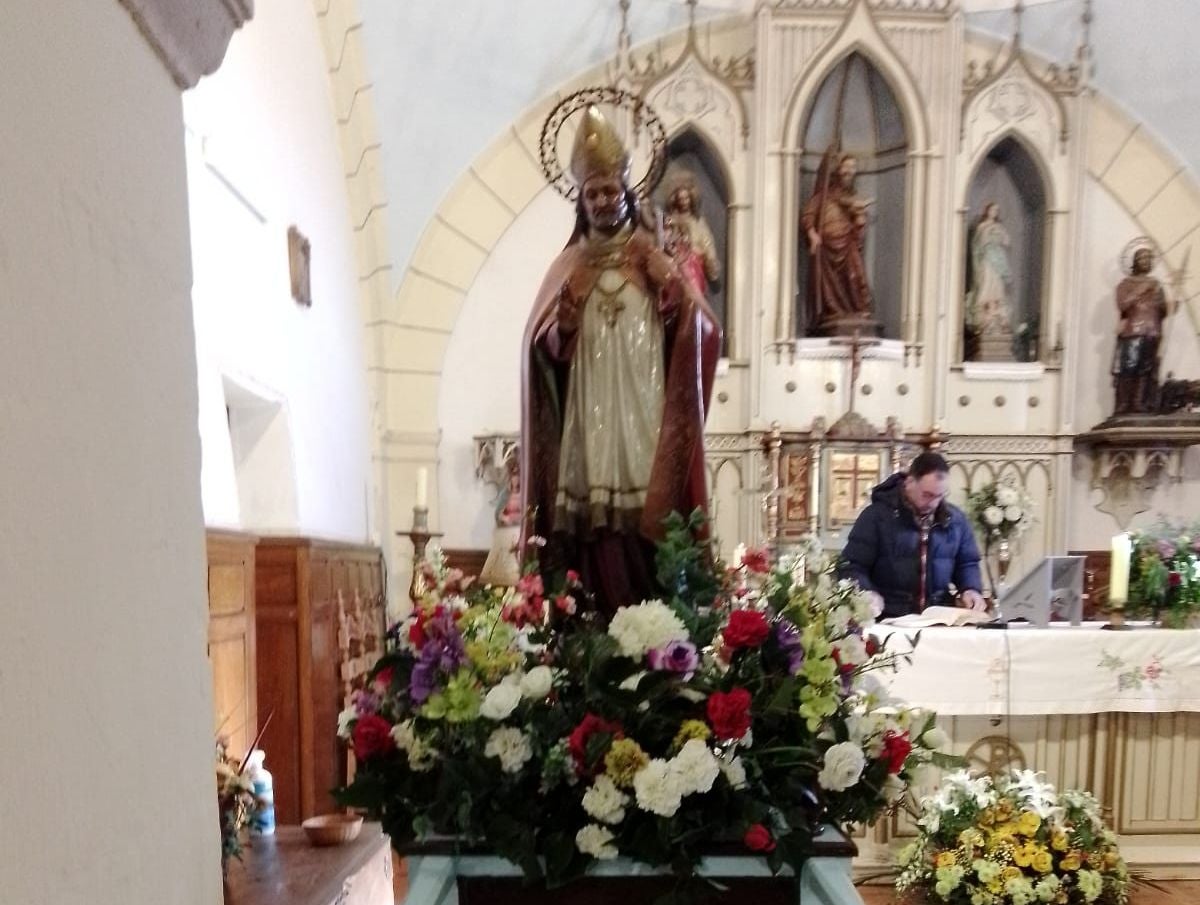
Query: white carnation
x=501, y=701
x=596, y=840
x=345, y=718
x=658, y=788
x=1014, y=513
x=1006, y=496
x=639, y=628
x=696, y=767
x=536, y=683
x=735, y=773
x=604, y=801
x=511, y=745
x=993, y=515
x=844, y=764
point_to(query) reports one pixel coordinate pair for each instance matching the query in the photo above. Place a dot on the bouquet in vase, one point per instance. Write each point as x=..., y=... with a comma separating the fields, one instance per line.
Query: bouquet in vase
x=1001, y=512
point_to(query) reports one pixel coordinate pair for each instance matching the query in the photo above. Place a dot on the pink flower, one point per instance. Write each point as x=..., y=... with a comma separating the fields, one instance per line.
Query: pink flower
x=674, y=656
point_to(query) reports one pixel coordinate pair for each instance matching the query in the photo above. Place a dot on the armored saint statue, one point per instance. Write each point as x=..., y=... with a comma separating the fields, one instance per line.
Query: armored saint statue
x=834, y=224
x=688, y=239
x=1142, y=306
x=620, y=353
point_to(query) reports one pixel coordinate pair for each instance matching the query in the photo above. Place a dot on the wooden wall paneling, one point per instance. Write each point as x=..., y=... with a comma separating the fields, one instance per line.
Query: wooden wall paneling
x=231, y=636
x=300, y=667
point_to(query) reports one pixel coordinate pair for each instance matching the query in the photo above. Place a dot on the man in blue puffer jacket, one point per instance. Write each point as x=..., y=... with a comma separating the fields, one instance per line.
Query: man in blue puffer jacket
x=909, y=545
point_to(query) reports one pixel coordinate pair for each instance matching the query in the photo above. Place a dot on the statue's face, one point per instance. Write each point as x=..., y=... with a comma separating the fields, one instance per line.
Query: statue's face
x=604, y=203
x=1143, y=260
x=847, y=170
x=682, y=201
x=992, y=211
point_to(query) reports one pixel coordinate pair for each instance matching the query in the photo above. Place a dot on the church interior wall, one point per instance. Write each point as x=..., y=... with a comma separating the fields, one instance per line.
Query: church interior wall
x=283, y=387
x=107, y=793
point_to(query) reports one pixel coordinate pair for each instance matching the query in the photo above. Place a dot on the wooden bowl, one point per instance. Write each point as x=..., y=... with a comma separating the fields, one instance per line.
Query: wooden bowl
x=332, y=829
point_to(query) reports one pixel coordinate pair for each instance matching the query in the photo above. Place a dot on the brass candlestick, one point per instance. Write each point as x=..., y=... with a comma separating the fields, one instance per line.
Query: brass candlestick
x=420, y=535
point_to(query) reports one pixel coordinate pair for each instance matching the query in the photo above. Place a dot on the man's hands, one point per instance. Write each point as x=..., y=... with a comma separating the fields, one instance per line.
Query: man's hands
x=973, y=600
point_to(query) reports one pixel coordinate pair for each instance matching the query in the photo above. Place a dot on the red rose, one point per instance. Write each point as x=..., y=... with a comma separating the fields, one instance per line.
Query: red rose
x=758, y=839
x=746, y=628
x=577, y=743
x=729, y=713
x=372, y=736
x=1174, y=579
x=896, y=748
x=872, y=644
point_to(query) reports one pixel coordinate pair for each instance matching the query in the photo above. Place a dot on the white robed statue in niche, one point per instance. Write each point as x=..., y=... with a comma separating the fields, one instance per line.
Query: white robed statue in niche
x=989, y=301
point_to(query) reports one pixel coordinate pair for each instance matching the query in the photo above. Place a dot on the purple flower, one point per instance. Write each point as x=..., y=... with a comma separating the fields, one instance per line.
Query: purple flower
x=1166, y=549
x=365, y=702
x=674, y=656
x=443, y=653
x=787, y=636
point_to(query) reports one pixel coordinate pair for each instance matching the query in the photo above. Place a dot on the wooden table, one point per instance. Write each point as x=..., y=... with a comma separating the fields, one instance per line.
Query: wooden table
x=285, y=869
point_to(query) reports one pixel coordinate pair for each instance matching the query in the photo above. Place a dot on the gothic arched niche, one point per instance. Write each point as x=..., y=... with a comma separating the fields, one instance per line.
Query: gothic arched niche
x=1005, y=256
x=692, y=161
x=854, y=112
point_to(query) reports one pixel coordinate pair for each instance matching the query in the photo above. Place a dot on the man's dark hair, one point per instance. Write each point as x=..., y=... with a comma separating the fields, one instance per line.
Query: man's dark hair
x=927, y=463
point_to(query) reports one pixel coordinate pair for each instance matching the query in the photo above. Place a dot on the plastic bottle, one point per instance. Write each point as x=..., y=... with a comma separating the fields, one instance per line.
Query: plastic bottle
x=263, y=822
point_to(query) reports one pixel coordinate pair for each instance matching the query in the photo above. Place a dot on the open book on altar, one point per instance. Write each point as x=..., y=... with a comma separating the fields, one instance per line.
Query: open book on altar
x=938, y=615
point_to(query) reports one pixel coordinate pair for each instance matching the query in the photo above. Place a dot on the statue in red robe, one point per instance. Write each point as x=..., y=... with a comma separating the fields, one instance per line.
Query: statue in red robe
x=620, y=353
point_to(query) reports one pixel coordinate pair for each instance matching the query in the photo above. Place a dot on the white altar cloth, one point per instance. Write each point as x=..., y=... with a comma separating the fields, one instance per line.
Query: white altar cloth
x=1062, y=669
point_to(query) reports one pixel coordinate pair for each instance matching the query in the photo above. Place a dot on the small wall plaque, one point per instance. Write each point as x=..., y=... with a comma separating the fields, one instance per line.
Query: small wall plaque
x=299, y=263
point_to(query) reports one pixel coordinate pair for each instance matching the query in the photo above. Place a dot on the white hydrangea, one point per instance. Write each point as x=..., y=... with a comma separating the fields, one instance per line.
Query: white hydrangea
x=843, y=766
x=604, y=801
x=1014, y=513
x=421, y=755
x=536, y=683
x=345, y=718
x=696, y=767
x=735, y=772
x=658, y=788
x=596, y=840
x=639, y=628
x=501, y=700
x=511, y=745
x=993, y=516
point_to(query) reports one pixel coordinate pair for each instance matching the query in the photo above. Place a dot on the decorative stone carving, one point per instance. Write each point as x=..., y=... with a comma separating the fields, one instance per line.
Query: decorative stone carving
x=189, y=36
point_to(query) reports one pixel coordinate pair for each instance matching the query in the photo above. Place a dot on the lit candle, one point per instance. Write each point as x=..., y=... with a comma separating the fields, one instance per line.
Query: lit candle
x=1118, y=576
x=422, y=487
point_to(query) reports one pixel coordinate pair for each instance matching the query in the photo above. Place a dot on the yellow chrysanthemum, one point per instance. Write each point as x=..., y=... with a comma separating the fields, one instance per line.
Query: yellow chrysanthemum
x=945, y=859
x=1042, y=862
x=1007, y=831
x=690, y=729
x=1070, y=861
x=970, y=837
x=624, y=759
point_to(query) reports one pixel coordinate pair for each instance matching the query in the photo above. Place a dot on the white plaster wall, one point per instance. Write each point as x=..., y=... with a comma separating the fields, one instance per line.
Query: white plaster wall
x=482, y=391
x=106, y=796
x=1107, y=230
x=262, y=155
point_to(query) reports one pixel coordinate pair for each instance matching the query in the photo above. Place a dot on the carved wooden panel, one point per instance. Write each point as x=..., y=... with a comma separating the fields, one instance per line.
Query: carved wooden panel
x=1158, y=774
x=231, y=637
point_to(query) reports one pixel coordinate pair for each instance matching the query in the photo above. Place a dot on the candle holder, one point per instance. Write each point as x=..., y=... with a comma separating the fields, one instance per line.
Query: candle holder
x=1116, y=620
x=420, y=535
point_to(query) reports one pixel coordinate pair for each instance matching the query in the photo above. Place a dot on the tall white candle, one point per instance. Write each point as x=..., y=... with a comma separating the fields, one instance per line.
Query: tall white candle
x=1118, y=575
x=422, y=487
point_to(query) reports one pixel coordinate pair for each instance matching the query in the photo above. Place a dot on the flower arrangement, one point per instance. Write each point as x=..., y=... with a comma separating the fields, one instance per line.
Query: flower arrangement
x=743, y=706
x=236, y=802
x=1164, y=573
x=1012, y=841
x=1000, y=510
